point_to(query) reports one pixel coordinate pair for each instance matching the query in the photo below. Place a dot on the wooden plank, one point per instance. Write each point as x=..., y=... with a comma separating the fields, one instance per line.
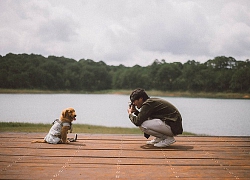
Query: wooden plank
x=124, y=157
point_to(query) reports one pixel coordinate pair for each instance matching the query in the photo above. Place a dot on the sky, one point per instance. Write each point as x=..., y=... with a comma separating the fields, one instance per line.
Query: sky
x=127, y=32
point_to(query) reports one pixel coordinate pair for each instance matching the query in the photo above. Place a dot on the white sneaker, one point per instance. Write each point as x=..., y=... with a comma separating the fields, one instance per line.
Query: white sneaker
x=153, y=141
x=165, y=142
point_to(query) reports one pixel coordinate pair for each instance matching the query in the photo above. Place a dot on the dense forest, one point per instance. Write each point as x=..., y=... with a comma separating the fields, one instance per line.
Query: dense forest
x=221, y=74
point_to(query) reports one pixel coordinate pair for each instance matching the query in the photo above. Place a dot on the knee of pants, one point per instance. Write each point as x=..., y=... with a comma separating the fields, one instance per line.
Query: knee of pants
x=152, y=123
x=143, y=129
x=156, y=126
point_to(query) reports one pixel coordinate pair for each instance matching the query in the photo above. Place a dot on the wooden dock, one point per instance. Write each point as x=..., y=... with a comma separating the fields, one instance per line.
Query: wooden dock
x=104, y=156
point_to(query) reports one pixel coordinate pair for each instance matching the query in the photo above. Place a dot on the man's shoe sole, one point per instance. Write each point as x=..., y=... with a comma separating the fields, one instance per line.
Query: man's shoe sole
x=151, y=143
x=165, y=145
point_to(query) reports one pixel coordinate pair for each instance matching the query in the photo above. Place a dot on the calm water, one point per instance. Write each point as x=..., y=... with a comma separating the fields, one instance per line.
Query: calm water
x=200, y=115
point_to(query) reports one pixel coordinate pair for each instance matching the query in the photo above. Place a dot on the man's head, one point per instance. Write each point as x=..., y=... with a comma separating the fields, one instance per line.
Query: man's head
x=137, y=94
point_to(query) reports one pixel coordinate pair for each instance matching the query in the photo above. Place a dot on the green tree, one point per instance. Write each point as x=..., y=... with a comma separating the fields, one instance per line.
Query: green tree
x=240, y=81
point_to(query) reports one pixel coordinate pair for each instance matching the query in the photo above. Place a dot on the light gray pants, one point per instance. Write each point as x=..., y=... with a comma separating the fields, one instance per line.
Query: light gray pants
x=156, y=128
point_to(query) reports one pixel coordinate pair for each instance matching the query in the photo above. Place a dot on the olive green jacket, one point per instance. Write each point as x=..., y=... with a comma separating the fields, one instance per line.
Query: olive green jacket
x=155, y=108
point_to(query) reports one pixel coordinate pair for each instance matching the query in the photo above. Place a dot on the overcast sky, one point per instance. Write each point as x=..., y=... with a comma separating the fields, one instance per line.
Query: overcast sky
x=127, y=32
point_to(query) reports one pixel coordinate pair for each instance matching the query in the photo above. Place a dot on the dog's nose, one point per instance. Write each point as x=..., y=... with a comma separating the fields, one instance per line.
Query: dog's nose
x=75, y=115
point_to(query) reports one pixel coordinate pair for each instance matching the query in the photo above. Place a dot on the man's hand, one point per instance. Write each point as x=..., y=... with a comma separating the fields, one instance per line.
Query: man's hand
x=131, y=109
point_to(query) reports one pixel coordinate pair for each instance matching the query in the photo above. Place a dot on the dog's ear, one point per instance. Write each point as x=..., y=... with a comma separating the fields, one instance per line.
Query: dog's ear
x=64, y=113
x=67, y=113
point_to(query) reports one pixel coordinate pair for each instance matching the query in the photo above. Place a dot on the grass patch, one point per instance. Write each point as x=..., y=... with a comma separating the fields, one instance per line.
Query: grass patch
x=77, y=128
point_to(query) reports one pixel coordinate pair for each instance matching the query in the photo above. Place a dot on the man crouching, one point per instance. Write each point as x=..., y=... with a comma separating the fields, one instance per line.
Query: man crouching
x=157, y=117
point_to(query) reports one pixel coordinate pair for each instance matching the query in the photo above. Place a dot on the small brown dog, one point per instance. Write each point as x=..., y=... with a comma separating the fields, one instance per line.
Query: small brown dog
x=58, y=132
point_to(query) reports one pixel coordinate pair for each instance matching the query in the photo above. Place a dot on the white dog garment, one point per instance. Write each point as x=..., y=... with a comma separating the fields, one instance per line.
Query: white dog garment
x=54, y=135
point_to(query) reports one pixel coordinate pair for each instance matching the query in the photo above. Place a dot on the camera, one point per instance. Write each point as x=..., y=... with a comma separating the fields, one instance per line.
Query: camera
x=131, y=104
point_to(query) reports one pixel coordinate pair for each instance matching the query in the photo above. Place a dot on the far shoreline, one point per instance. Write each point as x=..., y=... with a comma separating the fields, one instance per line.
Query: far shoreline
x=218, y=95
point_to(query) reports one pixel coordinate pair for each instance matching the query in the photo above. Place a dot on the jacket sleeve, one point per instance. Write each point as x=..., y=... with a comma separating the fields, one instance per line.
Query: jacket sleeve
x=142, y=116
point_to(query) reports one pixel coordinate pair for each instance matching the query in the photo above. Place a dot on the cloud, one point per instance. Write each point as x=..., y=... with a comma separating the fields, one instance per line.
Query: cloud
x=179, y=28
x=232, y=31
x=127, y=32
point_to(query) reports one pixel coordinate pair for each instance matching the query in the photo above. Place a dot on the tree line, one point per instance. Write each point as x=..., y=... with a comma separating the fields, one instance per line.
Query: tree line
x=221, y=74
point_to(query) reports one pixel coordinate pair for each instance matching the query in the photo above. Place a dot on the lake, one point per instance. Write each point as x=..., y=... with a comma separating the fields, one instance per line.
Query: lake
x=223, y=117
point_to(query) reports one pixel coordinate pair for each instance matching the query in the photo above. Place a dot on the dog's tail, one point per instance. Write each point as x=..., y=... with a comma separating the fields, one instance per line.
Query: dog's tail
x=38, y=141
